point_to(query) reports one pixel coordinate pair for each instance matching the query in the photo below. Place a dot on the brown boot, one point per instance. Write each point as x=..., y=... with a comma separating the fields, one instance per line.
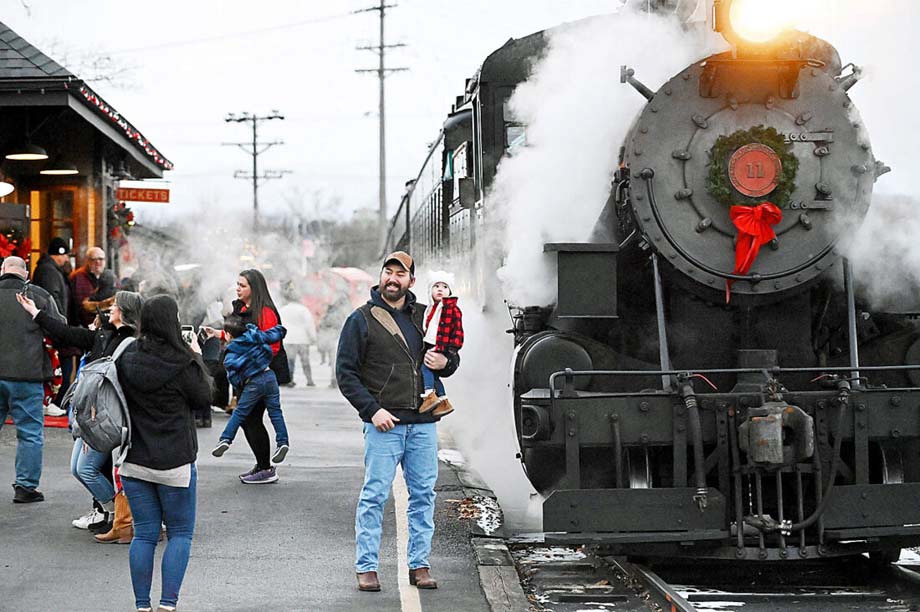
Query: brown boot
x=444, y=408
x=431, y=400
x=367, y=581
x=122, y=531
x=421, y=578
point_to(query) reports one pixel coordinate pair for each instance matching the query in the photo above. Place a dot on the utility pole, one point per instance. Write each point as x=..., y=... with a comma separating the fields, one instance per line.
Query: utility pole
x=254, y=149
x=382, y=72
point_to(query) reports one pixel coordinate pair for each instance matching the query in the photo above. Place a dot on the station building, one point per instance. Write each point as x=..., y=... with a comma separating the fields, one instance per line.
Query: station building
x=63, y=151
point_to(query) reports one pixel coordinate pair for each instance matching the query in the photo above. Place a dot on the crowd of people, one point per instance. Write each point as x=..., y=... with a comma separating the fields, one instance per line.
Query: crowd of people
x=388, y=360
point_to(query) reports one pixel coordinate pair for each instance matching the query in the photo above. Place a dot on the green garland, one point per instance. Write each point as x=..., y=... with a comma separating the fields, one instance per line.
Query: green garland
x=718, y=183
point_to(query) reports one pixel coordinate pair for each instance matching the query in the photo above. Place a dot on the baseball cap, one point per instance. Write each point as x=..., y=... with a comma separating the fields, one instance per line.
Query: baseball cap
x=403, y=259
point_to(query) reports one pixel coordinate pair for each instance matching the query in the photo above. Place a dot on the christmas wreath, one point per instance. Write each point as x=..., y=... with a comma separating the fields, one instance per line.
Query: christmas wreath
x=718, y=183
x=14, y=242
x=120, y=220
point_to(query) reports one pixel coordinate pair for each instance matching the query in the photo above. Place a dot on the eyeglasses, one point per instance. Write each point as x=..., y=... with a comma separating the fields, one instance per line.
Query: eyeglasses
x=97, y=258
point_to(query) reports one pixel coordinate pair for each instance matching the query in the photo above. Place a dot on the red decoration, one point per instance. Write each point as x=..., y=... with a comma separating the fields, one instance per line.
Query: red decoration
x=755, y=229
x=755, y=170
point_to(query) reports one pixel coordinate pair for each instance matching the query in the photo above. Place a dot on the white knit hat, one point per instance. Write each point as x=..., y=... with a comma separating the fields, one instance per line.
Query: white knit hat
x=440, y=276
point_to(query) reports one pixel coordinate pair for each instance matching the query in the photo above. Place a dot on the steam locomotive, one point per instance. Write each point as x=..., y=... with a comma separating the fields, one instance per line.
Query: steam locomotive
x=708, y=383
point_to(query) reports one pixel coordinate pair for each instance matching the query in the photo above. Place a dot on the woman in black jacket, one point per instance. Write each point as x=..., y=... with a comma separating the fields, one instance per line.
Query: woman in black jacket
x=164, y=383
x=90, y=467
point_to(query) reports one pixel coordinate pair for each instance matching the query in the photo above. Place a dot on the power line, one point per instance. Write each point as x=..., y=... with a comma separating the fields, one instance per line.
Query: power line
x=255, y=149
x=228, y=35
x=382, y=72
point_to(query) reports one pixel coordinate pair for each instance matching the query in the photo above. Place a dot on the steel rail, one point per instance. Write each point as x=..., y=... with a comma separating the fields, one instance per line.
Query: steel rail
x=666, y=595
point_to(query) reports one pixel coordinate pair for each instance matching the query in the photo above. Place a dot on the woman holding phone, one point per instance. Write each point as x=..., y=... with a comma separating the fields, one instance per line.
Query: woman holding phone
x=254, y=304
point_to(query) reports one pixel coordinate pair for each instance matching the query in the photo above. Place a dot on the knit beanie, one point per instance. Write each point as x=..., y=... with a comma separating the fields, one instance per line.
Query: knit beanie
x=441, y=276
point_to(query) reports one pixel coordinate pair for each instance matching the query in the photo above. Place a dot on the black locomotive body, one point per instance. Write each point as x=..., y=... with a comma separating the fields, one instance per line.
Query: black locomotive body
x=672, y=402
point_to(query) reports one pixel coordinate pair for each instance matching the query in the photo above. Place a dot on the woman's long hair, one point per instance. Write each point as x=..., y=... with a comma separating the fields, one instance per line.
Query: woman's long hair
x=160, y=323
x=259, y=295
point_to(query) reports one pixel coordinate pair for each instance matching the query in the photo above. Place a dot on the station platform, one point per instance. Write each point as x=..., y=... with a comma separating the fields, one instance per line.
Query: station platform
x=283, y=546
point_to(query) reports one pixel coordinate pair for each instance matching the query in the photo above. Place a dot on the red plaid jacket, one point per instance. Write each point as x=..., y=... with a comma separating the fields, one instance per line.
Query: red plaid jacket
x=450, y=328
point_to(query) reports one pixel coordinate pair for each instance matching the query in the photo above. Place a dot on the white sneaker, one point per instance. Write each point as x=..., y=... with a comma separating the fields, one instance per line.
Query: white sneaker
x=90, y=518
x=54, y=410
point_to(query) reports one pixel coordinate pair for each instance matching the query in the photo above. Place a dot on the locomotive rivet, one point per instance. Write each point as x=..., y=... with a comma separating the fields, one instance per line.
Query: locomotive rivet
x=711, y=281
x=686, y=76
x=575, y=522
x=667, y=91
x=672, y=255
x=822, y=151
x=803, y=552
x=823, y=188
x=683, y=194
x=777, y=285
x=571, y=414
x=830, y=87
x=762, y=554
x=647, y=218
x=657, y=238
x=681, y=154
x=895, y=400
x=822, y=404
x=847, y=103
x=644, y=438
x=740, y=553
x=638, y=152
x=704, y=224
x=783, y=553
x=571, y=433
x=681, y=429
x=700, y=121
x=640, y=197
x=644, y=130
x=643, y=406
x=654, y=109
x=895, y=433
x=805, y=220
x=774, y=244
x=804, y=118
x=861, y=407
x=864, y=496
x=647, y=173
x=798, y=278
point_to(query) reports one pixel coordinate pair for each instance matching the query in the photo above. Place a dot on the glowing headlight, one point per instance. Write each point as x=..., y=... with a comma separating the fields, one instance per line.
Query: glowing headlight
x=760, y=21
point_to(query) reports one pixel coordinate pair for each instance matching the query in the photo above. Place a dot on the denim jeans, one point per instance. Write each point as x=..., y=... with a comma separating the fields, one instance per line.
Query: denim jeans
x=85, y=465
x=263, y=385
x=432, y=380
x=415, y=447
x=303, y=351
x=23, y=402
x=152, y=504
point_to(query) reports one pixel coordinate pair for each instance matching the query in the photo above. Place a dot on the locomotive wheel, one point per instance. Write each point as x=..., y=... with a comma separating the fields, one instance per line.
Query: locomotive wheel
x=892, y=472
x=638, y=468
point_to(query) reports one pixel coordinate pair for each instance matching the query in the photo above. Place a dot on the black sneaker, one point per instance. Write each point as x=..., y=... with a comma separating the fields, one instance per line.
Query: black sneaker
x=103, y=526
x=222, y=447
x=280, y=453
x=23, y=495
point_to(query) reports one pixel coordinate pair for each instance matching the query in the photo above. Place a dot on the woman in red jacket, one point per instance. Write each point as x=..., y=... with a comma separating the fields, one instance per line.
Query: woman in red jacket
x=255, y=305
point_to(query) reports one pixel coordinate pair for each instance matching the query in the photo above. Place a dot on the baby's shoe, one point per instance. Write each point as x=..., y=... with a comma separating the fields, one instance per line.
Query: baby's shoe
x=431, y=400
x=280, y=453
x=221, y=448
x=443, y=408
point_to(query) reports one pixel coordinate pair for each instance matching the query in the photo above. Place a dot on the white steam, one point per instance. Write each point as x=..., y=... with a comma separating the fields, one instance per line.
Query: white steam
x=577, y=114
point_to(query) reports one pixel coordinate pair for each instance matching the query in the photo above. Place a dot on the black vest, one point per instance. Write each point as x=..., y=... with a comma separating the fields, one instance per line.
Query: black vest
x=390, y=371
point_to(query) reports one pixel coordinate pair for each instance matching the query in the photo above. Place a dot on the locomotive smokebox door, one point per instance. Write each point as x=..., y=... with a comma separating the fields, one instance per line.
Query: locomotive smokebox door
x=586, y=280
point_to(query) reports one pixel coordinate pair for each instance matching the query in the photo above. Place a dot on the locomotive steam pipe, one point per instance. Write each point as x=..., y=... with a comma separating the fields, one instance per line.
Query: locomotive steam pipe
x=663, y=355
x=627, y=75
x=851, y=319
x=696, y=435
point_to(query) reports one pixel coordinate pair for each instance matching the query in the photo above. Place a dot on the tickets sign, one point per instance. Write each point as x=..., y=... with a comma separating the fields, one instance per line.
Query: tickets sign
x=132, y=194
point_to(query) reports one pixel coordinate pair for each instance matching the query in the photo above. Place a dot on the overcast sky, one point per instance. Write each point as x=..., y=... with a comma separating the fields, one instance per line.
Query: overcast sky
x=297, y=56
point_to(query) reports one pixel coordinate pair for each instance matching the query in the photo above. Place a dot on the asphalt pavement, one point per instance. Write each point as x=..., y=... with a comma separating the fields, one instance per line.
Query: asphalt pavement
x=284, y=546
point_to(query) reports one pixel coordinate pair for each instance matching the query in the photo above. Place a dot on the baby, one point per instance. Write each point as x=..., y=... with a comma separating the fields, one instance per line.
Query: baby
x=443, y=333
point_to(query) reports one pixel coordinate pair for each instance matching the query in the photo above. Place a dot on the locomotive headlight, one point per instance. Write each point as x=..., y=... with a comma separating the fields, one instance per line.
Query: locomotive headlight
x=755, y=22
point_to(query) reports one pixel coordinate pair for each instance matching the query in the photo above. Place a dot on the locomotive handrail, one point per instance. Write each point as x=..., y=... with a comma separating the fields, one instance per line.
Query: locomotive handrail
x=568, y=373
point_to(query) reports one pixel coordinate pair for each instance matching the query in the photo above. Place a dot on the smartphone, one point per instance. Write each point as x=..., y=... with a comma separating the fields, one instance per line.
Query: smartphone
x=24, y=291
x=188, y=333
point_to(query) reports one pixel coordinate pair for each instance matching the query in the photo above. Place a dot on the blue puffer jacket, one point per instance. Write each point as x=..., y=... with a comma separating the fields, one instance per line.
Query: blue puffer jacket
x=250, y=353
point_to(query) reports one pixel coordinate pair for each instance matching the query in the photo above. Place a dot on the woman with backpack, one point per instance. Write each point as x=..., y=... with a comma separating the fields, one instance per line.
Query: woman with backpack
x=165, y=383
x=91, y=467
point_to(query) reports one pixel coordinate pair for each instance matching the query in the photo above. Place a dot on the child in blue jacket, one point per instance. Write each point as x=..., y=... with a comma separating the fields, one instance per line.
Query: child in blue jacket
x=246, y=360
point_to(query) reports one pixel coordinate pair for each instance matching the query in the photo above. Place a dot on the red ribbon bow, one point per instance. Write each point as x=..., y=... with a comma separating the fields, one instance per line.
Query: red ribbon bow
x=755, y=229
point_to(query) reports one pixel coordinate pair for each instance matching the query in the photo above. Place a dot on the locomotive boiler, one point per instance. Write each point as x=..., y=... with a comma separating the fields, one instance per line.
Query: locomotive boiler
x=708, y=382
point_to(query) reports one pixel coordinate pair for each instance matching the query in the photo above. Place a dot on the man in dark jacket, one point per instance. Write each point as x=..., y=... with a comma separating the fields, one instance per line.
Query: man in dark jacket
x=378, y=364
x=24, y=366
x=51, y=276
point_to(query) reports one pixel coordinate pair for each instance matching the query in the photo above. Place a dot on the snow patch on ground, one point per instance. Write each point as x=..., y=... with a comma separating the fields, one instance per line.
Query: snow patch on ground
x=451, y=456
x=550, y=554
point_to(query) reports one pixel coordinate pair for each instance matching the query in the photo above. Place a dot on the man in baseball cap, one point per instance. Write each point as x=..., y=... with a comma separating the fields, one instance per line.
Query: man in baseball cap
x=51, y=275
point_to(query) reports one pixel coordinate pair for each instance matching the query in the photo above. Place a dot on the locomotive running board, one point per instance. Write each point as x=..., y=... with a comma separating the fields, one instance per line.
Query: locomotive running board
x=635, y=513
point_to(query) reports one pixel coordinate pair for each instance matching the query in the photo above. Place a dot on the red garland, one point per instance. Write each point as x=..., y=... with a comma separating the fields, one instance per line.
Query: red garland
x=755, y=229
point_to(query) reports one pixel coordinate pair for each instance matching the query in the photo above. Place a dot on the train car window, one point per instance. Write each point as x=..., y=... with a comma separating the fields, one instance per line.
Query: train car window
x=515, y=131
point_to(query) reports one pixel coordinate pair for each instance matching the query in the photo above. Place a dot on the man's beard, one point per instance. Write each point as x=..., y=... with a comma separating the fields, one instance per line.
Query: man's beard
x=394, y=292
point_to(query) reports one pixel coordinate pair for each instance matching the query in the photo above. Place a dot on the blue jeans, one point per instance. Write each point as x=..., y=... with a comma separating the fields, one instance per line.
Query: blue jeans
x=23, y=402
x=263, y=385
x=85, y=465
x=152, y=504
x=414, y=446
x=432, y=380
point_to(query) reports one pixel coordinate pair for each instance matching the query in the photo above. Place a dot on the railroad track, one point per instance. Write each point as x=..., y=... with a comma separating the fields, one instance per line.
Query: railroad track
x=565, y=579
